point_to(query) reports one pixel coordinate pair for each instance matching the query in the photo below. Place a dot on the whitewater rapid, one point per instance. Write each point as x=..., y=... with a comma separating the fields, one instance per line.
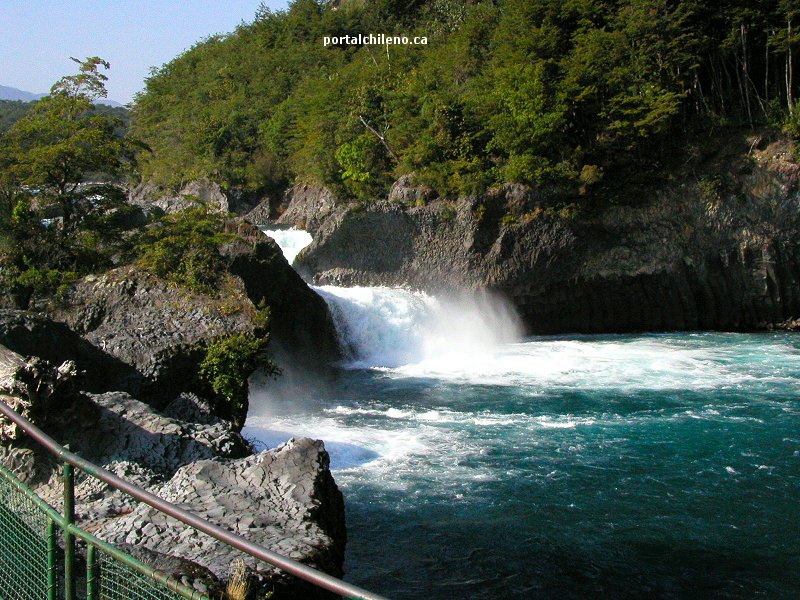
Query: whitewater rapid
x=486, y=465
x=471, y=347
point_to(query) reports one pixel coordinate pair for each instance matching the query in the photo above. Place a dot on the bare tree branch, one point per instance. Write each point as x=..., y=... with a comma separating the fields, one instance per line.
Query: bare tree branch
x=381, y=137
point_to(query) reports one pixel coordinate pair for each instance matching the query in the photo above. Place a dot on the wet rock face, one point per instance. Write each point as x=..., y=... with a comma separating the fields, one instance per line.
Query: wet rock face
x=685, y=258
x=300, y=321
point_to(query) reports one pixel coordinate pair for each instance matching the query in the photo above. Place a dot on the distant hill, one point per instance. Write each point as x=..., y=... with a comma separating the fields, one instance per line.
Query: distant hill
x=12, y=93
x=12, y=111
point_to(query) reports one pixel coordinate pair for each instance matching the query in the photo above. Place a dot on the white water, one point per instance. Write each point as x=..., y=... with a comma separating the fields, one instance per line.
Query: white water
x=291, y=241
x=462, y=447
x=391, y=328
x=412, y=340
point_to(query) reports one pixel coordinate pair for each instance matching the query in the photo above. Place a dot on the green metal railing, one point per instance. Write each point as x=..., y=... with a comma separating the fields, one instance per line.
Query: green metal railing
x=34, y=566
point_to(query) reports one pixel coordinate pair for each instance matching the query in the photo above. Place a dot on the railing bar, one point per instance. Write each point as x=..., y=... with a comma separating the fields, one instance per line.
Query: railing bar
x=300, y=570
x=69, y=540
x=52, y=562
x=91, y=573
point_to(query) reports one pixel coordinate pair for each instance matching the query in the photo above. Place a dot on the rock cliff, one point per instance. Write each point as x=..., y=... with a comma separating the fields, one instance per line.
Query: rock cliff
x=714, y=249
x=284, y=498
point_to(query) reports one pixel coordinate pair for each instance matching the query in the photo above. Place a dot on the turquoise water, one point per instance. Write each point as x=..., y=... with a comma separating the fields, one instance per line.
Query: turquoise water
x=477, y=464
x=563, y=467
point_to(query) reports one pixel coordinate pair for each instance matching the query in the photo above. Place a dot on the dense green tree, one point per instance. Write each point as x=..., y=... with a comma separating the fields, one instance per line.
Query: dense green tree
x=62, y=141
x=534, y=91
x=56, y=190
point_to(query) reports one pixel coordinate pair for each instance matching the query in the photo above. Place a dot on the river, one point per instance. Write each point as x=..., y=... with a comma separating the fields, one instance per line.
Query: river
x=477, y=463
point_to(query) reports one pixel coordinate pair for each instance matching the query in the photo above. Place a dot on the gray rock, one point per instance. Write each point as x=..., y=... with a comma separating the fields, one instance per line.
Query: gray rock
x=151, y=326
x=674, y=261
x=301, y=323
x=405, y=191
x=309, y=206
x=284, y=499
x=150, y=196
x=34, y=388
x=32, y=334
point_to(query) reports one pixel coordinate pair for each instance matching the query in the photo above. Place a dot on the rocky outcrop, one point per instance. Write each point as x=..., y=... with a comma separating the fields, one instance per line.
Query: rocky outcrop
x=300, y=321
x=309, y=206
x=155, y=333
x=154, y=198
x=284, y=499
x=716, y=250
x=31, y=334
x=34, y=388
x=150, y=196
x=157, y=329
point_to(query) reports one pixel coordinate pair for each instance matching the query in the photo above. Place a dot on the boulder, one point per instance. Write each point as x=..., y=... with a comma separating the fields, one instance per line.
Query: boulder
x=32, y=334
x=150, y=196
x=284, y=499
x=153, y=327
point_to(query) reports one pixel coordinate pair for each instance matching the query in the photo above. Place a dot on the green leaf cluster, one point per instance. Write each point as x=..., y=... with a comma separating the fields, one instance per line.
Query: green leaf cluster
x=228, y=363
x=60, y=206
x=184, y=248
x=528, y=91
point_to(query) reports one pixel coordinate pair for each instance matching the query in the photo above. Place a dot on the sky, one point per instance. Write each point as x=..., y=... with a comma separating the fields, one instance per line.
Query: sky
x=37, y=37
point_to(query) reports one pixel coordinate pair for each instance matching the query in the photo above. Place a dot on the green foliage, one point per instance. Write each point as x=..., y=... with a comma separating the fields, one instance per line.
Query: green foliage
x=225, y=368
x=55, y=225
x=512, y=91
x=184, y=248
x=12, y=111
x=711, y=188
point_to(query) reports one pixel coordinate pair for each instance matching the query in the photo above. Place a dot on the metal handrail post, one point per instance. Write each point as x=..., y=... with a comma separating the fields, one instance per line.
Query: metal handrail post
x=69, y=538
x=92, y=591
x=52, y=561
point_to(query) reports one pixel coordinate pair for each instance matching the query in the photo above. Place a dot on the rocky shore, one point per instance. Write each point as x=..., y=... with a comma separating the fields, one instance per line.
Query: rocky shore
x=111, y=367
x=714, y=249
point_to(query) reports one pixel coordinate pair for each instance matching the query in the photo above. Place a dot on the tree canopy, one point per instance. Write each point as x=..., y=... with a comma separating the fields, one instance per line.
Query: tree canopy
x=57, y=164
x=537, y=92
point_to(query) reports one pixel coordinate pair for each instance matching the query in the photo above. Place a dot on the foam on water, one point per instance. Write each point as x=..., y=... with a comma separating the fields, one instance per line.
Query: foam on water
x=571, y=466
x=390, y=327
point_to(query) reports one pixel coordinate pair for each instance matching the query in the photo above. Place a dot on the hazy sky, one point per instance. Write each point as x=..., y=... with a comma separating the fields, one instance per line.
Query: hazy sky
x=37, y=37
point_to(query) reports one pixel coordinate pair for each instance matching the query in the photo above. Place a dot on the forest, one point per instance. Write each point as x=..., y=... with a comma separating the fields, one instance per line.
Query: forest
x=571, y=96
x=587, y=102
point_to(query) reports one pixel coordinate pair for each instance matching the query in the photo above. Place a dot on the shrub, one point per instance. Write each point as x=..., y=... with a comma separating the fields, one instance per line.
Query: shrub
x=227, y=364
x=184, y=248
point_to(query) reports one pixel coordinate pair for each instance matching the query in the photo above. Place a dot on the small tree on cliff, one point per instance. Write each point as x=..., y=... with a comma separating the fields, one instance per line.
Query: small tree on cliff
x=46, y=162
x=62, y=141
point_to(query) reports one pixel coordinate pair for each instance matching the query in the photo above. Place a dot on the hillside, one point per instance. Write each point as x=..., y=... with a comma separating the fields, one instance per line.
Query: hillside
x=12, y=93
x=572, y=98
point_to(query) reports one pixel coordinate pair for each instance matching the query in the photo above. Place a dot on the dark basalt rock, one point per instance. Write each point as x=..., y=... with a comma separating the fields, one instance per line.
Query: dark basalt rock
x=300, y=321
x=683, y=259
x=155, y=328
x=32, y=334
x=284, y=498
x=155, y=332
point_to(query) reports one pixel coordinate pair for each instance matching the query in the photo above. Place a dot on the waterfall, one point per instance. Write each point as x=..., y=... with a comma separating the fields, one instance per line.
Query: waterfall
x=382, y=327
